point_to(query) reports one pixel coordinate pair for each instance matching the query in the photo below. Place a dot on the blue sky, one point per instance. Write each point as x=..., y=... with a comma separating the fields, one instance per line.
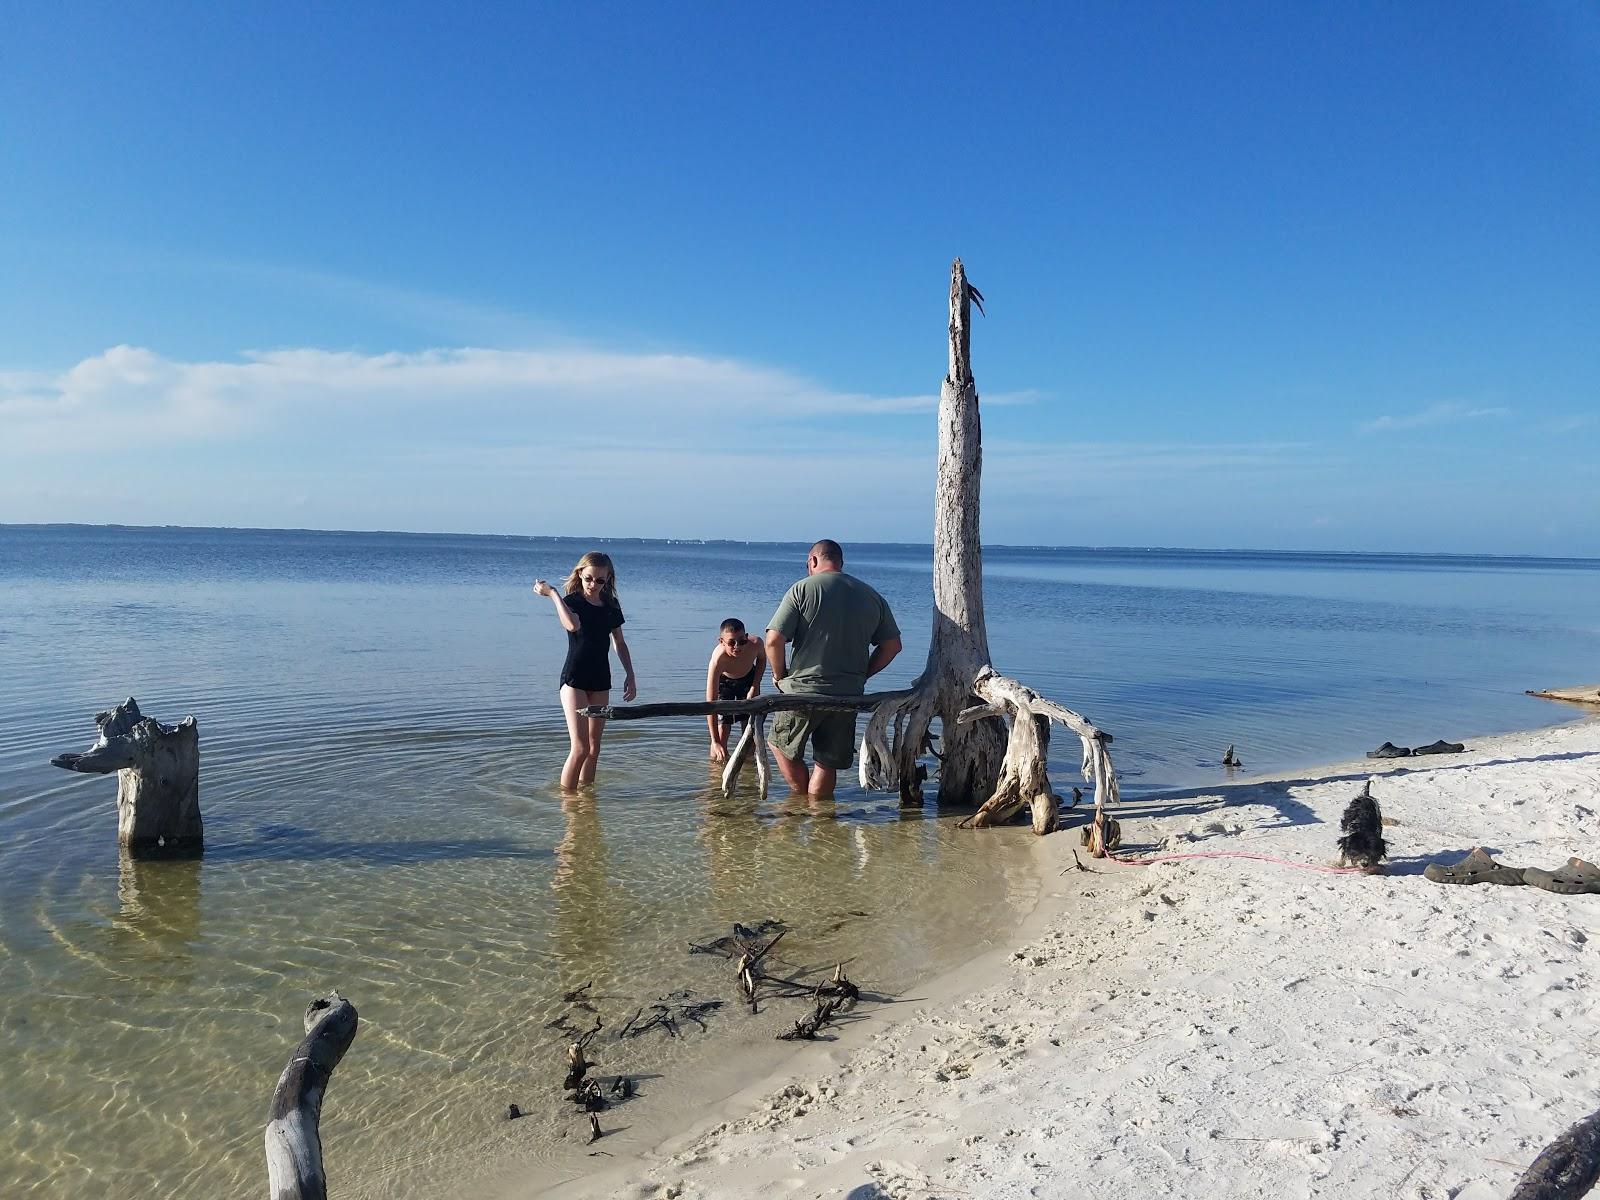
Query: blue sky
x=1259, y=275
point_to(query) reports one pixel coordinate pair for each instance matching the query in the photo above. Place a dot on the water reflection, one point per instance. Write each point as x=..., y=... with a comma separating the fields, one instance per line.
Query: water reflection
x=159, y=903
x=587, y=921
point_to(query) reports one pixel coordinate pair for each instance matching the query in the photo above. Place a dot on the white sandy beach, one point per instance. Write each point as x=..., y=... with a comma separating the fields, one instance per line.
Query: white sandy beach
x=1219, y=1026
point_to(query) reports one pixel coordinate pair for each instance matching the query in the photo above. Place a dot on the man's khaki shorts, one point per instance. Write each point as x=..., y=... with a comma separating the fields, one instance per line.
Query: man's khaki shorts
x=832, y=736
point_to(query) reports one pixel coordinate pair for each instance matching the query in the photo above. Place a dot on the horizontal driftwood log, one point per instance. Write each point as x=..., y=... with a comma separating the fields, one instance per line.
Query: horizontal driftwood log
x=777, y=702
x=294, y=1144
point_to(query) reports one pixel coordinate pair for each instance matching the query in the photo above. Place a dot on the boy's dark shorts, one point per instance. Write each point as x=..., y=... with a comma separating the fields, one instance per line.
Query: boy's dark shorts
x=832, y=736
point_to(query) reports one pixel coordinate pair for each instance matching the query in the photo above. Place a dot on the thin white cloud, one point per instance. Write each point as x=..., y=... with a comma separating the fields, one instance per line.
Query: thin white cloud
x=136, y=394
x=1445, y=412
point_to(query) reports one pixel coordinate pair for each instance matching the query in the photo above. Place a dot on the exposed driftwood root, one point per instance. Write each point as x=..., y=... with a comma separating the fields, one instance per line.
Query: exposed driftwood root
x=293, y=1143
x=1023, y=776
x=807, y=1027
x=1567, y=1168
x=577, y=1065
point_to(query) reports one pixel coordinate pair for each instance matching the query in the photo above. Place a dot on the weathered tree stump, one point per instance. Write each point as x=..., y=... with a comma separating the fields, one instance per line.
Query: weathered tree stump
x=293, y=1141
x=158, y=780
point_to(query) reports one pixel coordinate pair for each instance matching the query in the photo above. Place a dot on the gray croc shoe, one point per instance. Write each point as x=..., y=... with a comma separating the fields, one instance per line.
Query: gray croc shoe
x=1476, y=867
x=1575, y=878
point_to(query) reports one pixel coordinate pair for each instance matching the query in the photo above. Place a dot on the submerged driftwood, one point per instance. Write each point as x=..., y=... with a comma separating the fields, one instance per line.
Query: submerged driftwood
x=158, y=780
x=293, y=1142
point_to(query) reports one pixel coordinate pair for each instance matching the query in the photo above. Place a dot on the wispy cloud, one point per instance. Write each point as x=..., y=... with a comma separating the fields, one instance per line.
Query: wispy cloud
x=136, y=394
x=1443, y=413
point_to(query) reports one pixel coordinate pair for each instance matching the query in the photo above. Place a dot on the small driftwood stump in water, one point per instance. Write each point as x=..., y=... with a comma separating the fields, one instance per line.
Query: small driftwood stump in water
x=158, y=780
x=1568, y=1166
x=294, y=1145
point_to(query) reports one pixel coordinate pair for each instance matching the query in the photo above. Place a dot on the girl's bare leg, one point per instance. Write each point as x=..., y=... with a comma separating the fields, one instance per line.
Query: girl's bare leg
x=578, y=730
x=596, y=730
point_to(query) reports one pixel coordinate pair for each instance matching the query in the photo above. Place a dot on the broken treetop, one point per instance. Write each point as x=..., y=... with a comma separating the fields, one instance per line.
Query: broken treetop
x=832, y=620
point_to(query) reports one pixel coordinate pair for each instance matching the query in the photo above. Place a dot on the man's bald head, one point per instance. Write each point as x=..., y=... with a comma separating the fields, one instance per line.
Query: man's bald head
x=826, y=555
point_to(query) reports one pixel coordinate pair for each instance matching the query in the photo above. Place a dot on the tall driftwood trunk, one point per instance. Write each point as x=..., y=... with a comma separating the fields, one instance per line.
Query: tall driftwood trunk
x=959, y=645
x=293, y=1137
x=980, y=764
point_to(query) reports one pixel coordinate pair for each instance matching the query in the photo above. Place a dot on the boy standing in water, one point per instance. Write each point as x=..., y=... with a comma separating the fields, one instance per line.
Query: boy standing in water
x=734, y=674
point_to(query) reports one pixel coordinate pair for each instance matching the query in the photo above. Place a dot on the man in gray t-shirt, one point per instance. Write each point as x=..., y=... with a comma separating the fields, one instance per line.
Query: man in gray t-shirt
x=842, y=634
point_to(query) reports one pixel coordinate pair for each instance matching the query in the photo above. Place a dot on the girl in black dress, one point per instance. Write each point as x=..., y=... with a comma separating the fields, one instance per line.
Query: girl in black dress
x=588, y=609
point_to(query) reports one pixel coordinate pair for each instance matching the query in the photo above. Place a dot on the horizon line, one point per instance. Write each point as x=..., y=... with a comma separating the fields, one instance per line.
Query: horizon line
x=704, y=541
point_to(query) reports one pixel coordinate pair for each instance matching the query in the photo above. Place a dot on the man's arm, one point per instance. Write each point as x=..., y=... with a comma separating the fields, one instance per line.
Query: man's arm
x=777, y=657
x=882, y=655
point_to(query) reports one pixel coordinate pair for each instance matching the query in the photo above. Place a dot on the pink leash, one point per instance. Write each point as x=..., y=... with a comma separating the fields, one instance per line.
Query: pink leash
x=1157, y=858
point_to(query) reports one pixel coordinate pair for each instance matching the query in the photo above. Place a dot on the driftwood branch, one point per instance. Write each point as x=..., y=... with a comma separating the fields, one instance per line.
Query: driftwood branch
x=1023, y=778
x=777, y=702
x=294, y=1145
x=752, y=744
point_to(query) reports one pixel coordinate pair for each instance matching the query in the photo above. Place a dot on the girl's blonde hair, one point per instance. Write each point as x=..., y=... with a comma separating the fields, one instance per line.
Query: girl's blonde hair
x=594, y=559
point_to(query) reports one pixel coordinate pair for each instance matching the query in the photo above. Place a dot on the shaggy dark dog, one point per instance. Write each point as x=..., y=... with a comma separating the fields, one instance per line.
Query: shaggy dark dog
x=1362, y=824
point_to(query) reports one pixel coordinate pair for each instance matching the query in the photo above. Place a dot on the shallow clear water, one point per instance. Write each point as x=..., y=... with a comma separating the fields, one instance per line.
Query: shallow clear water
x=379, y=736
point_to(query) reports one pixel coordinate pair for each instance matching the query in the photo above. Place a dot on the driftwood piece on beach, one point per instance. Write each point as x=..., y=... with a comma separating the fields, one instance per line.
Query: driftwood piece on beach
x=1567, y=1168
x=158, y=780
x=294, y=1145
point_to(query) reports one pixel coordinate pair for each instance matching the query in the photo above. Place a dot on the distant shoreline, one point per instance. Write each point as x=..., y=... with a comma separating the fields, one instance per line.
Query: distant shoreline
x=1203, y=552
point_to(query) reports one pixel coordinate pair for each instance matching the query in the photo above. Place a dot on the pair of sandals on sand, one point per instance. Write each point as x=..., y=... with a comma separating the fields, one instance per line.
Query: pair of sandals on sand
x=1575, y=878
x=1390, y=750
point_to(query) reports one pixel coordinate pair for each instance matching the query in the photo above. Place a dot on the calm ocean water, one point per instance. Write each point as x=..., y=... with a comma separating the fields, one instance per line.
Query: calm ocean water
x=380, y=736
